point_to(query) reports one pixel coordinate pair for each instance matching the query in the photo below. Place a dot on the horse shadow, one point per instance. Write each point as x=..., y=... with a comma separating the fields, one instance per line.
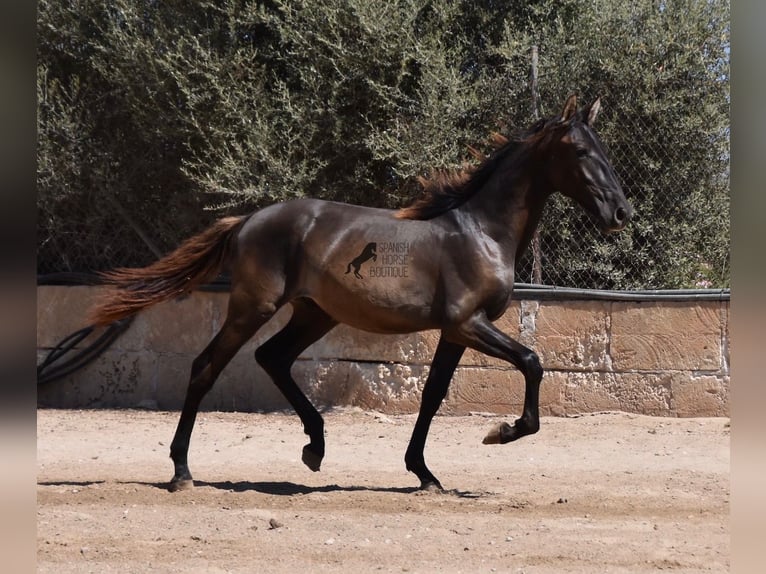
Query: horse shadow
x=273, y=488
x=287, y=488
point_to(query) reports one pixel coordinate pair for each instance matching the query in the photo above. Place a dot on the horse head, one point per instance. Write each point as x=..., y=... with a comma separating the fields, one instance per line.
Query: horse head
x=580, y=169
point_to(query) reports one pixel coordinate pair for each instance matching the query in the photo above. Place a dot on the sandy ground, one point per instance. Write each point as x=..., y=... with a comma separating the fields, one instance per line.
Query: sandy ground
x=609, y=492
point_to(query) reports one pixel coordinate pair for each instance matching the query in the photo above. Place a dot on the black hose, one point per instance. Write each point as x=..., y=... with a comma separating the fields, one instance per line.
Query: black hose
x=50, y=369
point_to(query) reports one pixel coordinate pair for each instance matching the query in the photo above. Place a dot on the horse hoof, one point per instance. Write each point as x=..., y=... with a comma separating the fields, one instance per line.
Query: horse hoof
x=495, y=435
x=181, y=484
x=311, y=459
x=431, y=486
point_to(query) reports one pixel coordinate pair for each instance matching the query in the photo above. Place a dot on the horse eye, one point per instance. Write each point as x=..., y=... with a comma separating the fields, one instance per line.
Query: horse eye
x=581, y=151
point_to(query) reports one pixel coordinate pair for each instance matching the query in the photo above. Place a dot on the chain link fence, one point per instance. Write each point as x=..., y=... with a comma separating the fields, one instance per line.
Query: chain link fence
x=679, y=236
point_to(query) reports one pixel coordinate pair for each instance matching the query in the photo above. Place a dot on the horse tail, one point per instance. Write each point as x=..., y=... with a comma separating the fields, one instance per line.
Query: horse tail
x=196, y=260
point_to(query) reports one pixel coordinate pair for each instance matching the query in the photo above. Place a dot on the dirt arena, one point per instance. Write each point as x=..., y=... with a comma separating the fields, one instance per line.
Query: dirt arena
x=609, y=492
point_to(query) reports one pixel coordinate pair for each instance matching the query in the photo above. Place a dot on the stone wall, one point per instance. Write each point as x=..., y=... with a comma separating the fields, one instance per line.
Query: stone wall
x=656, y=358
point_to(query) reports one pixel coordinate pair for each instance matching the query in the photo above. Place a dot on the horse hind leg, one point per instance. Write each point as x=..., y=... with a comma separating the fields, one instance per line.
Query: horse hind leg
x=240, y=325
x=308, y=324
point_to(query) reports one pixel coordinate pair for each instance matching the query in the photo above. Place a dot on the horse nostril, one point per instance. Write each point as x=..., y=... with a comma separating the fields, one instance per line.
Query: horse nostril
x=620, y=215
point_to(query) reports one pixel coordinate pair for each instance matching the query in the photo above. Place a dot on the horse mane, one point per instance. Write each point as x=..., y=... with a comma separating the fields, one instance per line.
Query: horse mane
x=444, y=190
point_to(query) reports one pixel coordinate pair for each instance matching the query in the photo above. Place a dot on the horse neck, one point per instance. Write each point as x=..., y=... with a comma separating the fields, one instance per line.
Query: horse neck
x=509, y=206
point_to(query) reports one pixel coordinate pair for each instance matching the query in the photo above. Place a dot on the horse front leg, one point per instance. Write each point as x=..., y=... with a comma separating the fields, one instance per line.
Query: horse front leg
x=445, y=361
x=480, y=334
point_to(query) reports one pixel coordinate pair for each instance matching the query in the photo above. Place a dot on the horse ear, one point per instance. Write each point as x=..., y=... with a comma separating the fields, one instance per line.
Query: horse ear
x=592, y=112
x=570, y=108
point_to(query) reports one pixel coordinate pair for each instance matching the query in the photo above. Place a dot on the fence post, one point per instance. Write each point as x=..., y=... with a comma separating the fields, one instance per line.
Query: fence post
x=537, y=255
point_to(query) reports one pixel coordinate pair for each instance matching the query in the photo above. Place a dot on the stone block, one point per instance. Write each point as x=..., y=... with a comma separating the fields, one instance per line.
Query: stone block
x=527, y=318
x=700, y=395
x=585, y=392
x=644, y=393
x=62, y=311
x=187, y=325
x=572, y=335
x=498, y=391
x=486, y=390
x=510, y=324
x=641, y=393
x=551, y=396
x=666, y=336
x=387, y=387
x=348, y=344
x=116, y=379
x=241, y=386
x=179, y=326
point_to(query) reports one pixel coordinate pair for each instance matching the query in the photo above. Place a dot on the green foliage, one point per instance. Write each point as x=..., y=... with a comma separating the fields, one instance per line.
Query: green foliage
x=151, y=114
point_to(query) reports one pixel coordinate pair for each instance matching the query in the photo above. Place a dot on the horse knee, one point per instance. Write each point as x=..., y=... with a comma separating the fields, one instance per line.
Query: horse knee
x=533, y=368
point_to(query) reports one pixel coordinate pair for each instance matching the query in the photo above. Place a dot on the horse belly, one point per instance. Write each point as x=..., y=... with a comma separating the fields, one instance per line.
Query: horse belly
x=382, y=295
x=377, y=316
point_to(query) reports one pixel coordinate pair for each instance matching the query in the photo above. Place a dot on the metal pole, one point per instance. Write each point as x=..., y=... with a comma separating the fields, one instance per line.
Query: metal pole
x=537, y=255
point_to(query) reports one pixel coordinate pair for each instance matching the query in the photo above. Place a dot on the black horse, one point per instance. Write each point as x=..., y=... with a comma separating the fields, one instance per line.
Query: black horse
x=464, y=237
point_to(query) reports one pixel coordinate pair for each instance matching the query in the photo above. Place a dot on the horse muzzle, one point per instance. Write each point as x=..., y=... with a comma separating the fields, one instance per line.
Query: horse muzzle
x=621, y=216
x=618, y=219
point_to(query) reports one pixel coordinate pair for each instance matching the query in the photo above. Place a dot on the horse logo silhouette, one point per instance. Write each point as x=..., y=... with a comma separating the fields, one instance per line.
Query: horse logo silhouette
x=369, y=252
